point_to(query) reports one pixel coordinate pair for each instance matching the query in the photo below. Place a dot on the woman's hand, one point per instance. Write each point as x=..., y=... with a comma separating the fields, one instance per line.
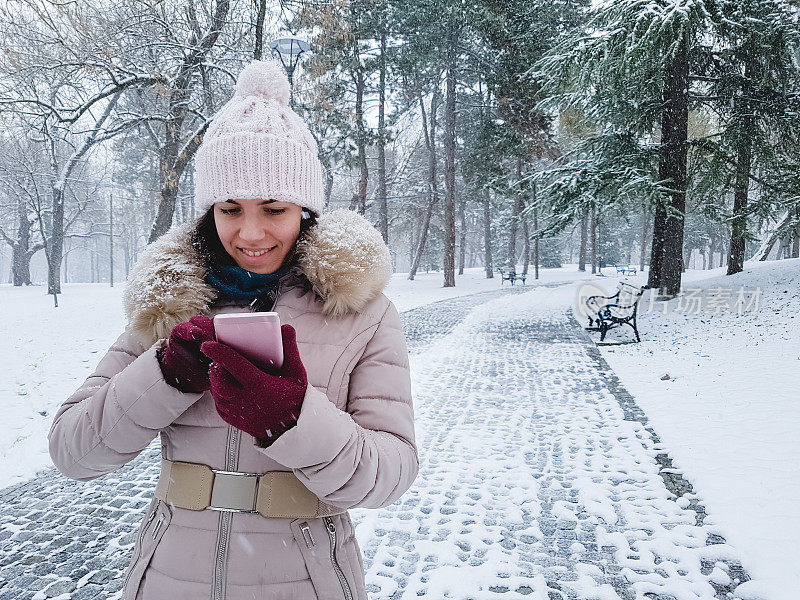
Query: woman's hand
x=183, y=365
x=263, y=405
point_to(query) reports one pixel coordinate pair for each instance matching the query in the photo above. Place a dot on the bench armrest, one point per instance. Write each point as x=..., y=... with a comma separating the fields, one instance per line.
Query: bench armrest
x=600, y=299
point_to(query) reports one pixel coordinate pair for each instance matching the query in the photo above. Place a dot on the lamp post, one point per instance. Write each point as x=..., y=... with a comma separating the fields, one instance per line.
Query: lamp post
x=289, y=50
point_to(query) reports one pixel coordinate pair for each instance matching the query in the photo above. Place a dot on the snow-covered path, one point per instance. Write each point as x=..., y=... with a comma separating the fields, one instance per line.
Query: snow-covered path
x=538, y=478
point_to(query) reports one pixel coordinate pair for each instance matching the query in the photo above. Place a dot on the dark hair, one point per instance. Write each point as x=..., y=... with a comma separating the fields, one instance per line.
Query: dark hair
x=205, y=239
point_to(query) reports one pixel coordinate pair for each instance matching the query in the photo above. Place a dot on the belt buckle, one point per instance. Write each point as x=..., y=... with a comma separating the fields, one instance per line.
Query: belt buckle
x=234, y=491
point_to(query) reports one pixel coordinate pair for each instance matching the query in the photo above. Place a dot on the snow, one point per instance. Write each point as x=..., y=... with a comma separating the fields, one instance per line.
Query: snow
x=48, y=352
x=541, y=445
x=728, y=414
x=427, y=287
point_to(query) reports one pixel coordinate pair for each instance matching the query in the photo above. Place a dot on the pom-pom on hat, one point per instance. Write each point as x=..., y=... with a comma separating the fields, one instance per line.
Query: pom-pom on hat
x=263, y=78
x=257, y=146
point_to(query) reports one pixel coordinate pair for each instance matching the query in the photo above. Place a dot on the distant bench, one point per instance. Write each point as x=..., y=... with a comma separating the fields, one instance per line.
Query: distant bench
x=608, y=312
x=510, y=275
x=625, y=270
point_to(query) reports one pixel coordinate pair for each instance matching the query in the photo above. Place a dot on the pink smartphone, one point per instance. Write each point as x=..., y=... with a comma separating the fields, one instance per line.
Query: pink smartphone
x=256, y=335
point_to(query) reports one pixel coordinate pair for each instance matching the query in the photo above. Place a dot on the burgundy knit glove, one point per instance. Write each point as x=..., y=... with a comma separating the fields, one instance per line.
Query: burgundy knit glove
x=263, y=405
x=183, y=365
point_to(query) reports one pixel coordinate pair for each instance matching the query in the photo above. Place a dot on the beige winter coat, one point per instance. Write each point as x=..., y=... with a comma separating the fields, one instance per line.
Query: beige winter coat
x=353, y=445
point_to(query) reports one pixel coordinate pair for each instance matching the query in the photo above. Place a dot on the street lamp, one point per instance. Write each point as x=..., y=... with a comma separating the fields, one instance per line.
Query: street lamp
x=289, y=50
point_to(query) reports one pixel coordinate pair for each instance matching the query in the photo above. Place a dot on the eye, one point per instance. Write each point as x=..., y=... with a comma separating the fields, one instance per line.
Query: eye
x=228, y=211
x=276, y=211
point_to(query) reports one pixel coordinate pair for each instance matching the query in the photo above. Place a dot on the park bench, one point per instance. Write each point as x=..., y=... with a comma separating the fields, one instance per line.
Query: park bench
x=510, y=275
x=625, y=269
x=607, y=312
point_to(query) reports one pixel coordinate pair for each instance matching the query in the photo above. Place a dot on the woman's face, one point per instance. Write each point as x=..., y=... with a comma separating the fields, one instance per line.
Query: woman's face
x=258, y=234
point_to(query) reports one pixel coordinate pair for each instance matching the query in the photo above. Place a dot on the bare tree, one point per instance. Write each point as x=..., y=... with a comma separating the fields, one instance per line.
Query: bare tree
x=63, y=93
x=176, y=147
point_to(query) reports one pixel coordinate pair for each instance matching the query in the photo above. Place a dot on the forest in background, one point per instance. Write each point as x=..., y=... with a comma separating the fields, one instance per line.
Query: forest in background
x=659, y=133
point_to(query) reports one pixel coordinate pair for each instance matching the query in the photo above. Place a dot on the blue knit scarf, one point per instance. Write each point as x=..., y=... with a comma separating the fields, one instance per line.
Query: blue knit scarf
x=242, y=285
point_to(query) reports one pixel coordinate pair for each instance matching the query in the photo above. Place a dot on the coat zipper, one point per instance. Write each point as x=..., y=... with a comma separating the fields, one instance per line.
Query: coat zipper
x=348, y=594
x=158, y=525
x=222, y=551
x=139, y=543
x=307, y=535
x=220, y=566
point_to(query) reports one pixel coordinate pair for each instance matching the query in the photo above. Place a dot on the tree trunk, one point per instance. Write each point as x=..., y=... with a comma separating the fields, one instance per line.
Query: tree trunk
x=743, y=116
x=383, y=219
x=672, y=167
x=66, y=260
x=56, y=243
x=169, y=192
x=412, y=245
x=176, y=154
x=526, y=246
x=174, y=158
x=433, y=193
x=582, y=250
x=462, y=235
x=487, y=197
x=473, y=245
x=593, y=235
x=517, y=208
x=126, y=251
x=20, y=248
x=774, y=237
x=535, y=239
x=657, y=246
x=644, y=239
x=93, y=262
x=359, y=202
x=152, y=197
x=20, y=265
x=328, y=185
x=450, y=158
x=629, y=251
x=423, y=238
x=516, y=211
x=710, y=261
x=261, y=8
x=487, y=232
x=739, y=219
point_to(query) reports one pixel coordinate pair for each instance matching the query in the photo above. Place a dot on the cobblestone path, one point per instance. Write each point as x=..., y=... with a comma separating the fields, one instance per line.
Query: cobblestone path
x=539, y=477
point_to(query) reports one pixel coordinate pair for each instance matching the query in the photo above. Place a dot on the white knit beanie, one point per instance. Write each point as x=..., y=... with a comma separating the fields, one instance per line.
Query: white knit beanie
x=257, y=147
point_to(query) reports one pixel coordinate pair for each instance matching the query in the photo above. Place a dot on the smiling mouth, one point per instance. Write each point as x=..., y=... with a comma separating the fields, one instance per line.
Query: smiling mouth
x=256, y=253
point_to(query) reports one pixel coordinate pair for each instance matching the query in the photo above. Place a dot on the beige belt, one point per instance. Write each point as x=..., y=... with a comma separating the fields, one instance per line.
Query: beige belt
x=273, y=494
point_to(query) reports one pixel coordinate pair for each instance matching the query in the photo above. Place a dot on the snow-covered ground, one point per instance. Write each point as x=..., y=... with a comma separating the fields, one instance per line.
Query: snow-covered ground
x=427, y=287
x=721, y=387
x=728, y=413
x=47, y=352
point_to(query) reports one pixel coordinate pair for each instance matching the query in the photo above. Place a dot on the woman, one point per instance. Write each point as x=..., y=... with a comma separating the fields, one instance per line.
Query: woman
x=258, y=469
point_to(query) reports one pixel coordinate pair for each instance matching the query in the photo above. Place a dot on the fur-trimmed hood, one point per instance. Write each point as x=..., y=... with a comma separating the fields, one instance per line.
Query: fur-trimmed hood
x=343, y=257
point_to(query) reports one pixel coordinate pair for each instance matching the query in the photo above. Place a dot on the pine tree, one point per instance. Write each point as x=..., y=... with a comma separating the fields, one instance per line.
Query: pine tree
x=752, y=84
x=628, y=72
